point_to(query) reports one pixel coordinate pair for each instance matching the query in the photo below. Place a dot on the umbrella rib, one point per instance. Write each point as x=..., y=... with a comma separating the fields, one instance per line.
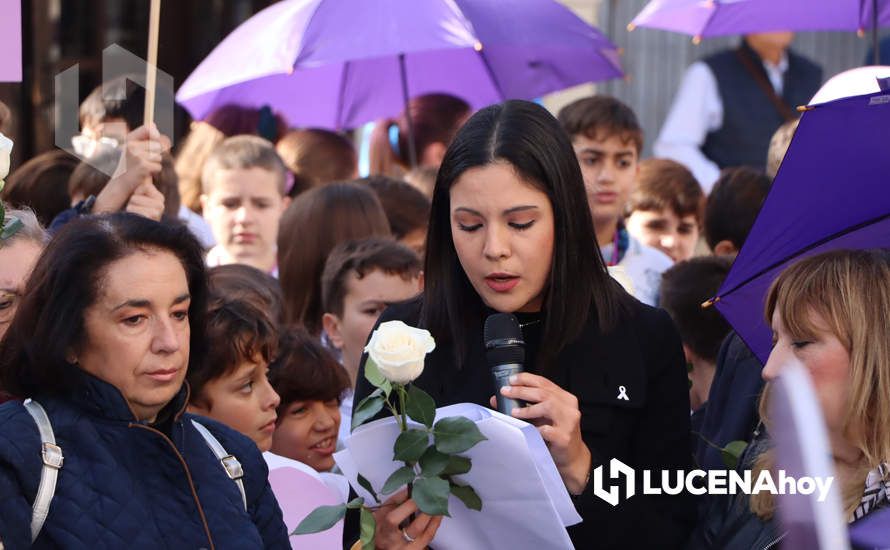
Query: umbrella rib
x=490, y=72
x=803, y=250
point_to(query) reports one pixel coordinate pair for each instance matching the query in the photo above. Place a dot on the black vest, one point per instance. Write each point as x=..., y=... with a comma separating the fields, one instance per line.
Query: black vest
x=749, y=116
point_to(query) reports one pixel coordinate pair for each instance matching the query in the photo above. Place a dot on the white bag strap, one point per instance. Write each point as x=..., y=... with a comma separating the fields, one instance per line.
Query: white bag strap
x=229, y=463
x=52, y=463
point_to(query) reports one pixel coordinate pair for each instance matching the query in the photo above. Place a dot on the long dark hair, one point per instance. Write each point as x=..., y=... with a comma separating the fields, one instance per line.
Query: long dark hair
x=316, y=222
x=65, y=282
x=527, y=137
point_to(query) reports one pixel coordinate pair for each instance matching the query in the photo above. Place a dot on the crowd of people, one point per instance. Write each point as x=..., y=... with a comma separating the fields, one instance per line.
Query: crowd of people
x=173, y=321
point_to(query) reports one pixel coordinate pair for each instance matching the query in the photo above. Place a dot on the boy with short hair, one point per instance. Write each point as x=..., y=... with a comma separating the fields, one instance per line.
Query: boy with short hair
x=360, y=279
x=407, y=210
x=732, y=207
x=311, y=383
x=665, y=209
x=243, y=197
x=684, y=287
x=608, y=141
x=230, y=385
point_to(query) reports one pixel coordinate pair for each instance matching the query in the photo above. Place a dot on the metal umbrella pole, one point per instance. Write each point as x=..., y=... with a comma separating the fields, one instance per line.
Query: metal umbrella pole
x=412, y=151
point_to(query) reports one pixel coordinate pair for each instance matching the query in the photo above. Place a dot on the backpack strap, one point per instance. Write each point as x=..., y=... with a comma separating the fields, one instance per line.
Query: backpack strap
x=52, y=463
x=229, y=463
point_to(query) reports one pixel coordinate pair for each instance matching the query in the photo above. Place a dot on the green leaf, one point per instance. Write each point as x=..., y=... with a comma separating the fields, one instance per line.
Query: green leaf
x=467, y=495
x=355, y=503
x=420, y=406
x=431, y=495
x=368, y=408
x=366, y=485
x=432, y=462
x=400, y=477
x=456, y=435
x=410, y=445
x=732, y=452
x=320, y=519
x=457, y=465
x=376, y=378
x=367, y=526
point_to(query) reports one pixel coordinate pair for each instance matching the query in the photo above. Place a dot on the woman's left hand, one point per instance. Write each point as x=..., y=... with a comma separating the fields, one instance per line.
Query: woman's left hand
x=556, y=414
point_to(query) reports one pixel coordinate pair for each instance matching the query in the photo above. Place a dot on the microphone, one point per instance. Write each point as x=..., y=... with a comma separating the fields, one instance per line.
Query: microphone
x=505, y=354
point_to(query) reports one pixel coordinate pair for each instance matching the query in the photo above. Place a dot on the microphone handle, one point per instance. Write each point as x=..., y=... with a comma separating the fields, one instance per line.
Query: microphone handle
x=501, y=375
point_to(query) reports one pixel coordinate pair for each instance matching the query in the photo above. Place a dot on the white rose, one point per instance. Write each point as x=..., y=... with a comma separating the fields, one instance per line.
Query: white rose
x=5, y=151
x=399, y=350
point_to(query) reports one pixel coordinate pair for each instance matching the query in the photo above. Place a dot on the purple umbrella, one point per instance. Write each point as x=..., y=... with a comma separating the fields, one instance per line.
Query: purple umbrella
x=341, y=63
x=707, y=18
x=831, y=192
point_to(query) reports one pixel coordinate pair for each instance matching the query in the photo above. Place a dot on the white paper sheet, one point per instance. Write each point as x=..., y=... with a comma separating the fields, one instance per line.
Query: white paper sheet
x=525, y=504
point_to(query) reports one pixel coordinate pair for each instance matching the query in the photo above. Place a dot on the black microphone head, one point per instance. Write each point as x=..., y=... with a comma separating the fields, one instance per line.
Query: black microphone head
x=503, y=340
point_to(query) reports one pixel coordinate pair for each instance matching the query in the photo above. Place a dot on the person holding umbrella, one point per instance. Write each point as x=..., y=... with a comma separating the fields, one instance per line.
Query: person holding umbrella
x=729, y=105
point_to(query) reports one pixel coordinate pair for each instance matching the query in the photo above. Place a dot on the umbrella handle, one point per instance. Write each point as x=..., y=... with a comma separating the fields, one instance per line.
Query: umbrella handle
x=412, y=150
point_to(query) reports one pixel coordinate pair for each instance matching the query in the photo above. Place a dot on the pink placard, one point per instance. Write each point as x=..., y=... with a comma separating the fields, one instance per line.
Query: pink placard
x=10, y=41
x=298, y=493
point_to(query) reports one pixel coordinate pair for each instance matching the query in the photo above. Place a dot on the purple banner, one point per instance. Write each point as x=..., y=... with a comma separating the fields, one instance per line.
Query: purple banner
x=10, y=41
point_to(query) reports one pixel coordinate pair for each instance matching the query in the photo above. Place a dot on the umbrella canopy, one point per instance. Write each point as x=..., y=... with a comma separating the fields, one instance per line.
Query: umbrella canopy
x=340, y=63
x=707, y=18
x=831, y=192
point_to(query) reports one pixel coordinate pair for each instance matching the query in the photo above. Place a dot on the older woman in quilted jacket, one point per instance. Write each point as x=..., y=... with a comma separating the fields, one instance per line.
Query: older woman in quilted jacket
x=110, y=320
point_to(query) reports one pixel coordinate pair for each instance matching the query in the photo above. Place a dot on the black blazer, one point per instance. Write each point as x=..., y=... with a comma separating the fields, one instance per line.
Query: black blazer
x=649, y=430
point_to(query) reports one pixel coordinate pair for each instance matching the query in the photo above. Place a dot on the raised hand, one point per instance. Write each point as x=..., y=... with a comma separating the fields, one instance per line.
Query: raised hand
x=141, y=159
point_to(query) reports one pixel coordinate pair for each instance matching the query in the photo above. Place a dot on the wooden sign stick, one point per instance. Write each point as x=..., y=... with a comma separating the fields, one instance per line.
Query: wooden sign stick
x=151, y=68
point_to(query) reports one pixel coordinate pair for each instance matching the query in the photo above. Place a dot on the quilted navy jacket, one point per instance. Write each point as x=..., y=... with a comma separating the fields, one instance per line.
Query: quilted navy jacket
x=126, y=484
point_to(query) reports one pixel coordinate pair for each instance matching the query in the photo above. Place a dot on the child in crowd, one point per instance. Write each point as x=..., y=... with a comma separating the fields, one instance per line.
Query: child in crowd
x=732, y=207
x=243, y=199
x=41, y=185
x=407, y=210
x=316, y=222
x=731, y=414
x=684, y=287
x=360, y=279
x=239, y=281
x=204, y=135
x=107, y=117
x=310, y=383
x=316, y=157
x=230, y=384
x=665, y=208
x=608, y=141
